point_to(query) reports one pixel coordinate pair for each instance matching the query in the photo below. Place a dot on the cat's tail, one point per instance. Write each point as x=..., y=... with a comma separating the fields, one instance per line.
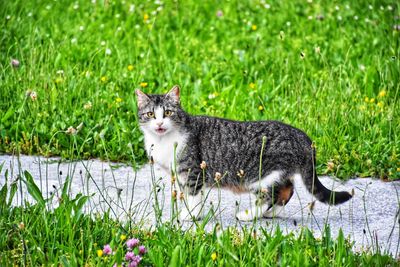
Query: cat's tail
x=323, y=194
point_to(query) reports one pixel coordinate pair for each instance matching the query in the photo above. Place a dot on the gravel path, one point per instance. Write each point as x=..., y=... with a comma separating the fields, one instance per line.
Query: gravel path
x=370, y=219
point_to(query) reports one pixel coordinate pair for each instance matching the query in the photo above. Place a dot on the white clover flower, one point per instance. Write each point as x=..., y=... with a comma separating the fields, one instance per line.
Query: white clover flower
x=370, y=7
x=30, y=14
x=119, y=29
x=60, y=72
x=337, y=7
x=15, y=63
x=76, y=6
x=73, y=40
x=108, y=51
x=288, y=23
x=48, y=7
x=81, y=28
x=71, y=130
x=33, y=95
x=362, y=67
x=117, y=16
x=8, y=17
x=267, y=6
x=390, y=8
x=132, y=8
x=159, y=8
x=88, y=105
x=203, y=165
x=102, y=43
x=339, y=17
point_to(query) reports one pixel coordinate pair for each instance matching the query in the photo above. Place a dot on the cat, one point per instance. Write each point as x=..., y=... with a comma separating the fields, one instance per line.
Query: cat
x=261, y=157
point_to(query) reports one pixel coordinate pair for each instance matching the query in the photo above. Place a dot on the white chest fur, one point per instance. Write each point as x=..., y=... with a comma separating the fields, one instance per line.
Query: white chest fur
x=162, y=148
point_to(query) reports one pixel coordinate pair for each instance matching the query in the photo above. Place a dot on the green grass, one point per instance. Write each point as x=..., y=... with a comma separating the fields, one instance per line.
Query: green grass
x=56, y=231
x=251, y=63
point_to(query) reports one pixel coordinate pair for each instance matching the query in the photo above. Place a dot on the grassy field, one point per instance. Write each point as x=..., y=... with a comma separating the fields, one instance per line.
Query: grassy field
x=329, y=68
x=68, y=71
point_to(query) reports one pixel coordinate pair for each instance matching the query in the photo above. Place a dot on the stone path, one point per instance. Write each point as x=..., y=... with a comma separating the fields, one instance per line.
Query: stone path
x=370, y=219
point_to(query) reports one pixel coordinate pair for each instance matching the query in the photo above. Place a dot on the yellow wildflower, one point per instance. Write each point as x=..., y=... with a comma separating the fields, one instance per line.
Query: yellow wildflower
x=260, y=108
x=103, y=79
x=366, y=99
x=99, y=252
x=143, y=84
x=214, y=256
x=380, y=104
x=122, y=237
x=254, y=27
x=130, y=67
x=59, y=80
x=382, y=93
x=252, y=85
x=372, y=100
x=398, y=169
x=118, y=100
x=146, y=17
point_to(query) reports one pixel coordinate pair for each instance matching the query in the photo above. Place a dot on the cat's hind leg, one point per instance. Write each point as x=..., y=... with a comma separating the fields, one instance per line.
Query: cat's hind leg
x=281, y=194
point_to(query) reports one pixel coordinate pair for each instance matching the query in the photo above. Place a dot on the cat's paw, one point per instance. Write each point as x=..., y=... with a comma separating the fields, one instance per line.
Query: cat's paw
x=245, y=215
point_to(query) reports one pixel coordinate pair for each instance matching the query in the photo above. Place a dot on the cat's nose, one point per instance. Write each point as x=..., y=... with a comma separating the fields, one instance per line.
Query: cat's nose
x=159, y=124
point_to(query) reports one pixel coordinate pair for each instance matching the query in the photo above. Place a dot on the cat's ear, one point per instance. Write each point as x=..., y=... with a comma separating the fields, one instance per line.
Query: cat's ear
x=174, y=94
x=142, y=98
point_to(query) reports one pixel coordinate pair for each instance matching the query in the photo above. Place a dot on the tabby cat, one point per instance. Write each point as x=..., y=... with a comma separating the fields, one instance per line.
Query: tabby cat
x=261, y=157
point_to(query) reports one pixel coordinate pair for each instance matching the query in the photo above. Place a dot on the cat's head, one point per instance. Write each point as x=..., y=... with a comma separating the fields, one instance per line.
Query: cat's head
x=160, y=114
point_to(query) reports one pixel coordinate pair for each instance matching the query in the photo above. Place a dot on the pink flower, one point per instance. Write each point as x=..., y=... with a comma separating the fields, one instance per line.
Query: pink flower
x=219, y=13
x=142, y=250
x=135, y=261
x=107, y=250
x=131, y=243
x=130, y=256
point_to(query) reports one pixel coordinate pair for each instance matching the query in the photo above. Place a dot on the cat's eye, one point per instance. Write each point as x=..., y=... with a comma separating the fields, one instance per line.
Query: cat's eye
x=167, y=113
x=150, y=114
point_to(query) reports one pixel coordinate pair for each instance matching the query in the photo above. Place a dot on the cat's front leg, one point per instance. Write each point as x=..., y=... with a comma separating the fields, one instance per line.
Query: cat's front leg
x=192, y=202
x=191, y=208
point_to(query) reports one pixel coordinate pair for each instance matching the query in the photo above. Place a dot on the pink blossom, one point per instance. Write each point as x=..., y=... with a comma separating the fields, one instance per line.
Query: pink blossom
x=219, y=13
x=131, y=243
x=135, y=261
x=107, y=250
x=142, y=250
x=130, y=256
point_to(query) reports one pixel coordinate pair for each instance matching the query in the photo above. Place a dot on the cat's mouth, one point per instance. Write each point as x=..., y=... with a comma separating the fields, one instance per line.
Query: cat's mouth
x=160, y=130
